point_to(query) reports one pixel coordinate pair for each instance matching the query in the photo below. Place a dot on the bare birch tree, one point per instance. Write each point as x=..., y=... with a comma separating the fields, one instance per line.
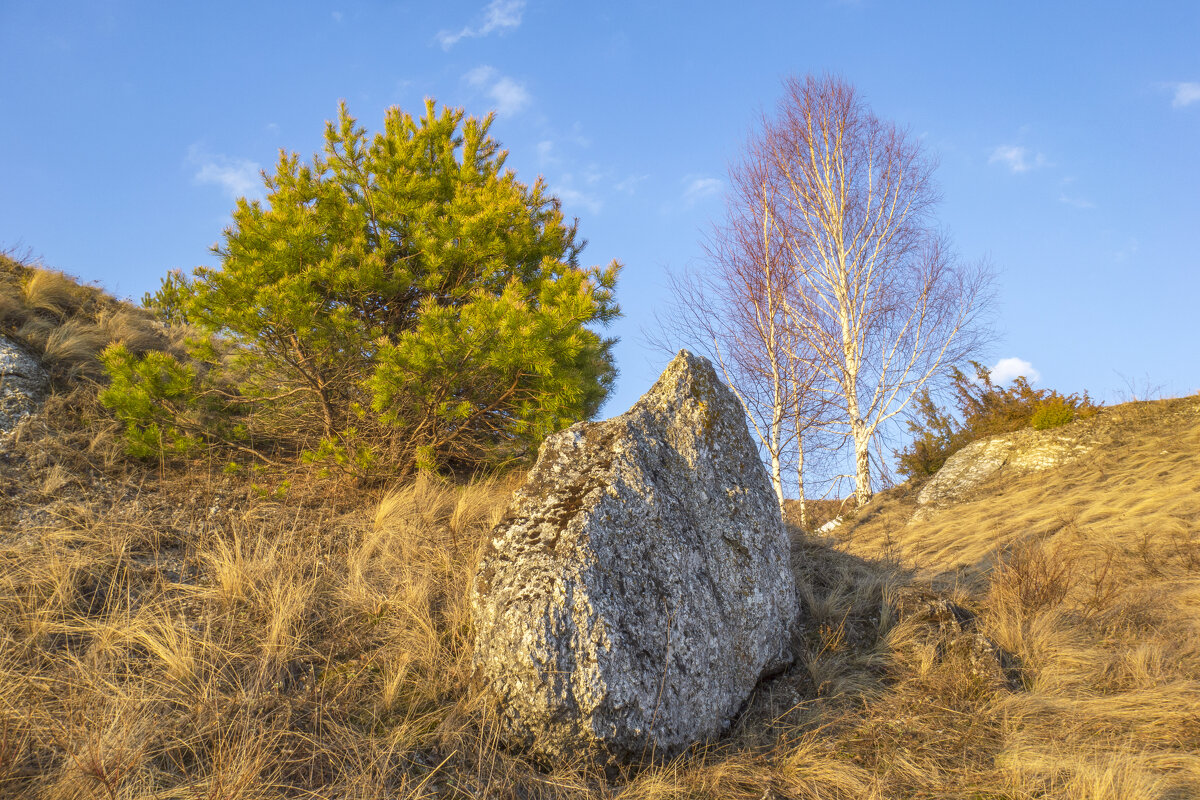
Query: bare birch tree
x=736, y=313
x=875, y=297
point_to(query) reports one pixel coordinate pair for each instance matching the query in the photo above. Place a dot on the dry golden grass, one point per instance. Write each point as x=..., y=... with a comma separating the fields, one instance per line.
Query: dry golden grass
x=68, y=324
x=55, y=293
x=1090, y=576
x=261, y=652
x=173, y=632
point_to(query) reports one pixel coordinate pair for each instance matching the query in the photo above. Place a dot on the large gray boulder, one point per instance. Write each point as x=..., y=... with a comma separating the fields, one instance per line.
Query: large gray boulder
x=22, y=383
x=638, y=586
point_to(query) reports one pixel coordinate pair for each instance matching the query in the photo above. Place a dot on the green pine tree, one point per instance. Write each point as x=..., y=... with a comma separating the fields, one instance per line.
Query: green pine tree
x=402, y=301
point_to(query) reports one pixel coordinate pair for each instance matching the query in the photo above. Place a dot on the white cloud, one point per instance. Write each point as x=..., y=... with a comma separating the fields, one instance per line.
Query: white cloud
x=498, y=15
x=1185, y=94
x=629, y=185
x=574, y=197
x=480, y=76
x=699, y=188
x=1017, y=158
x=337, y=16
x=239, y=177
x=1006, y=369
x=507, y=95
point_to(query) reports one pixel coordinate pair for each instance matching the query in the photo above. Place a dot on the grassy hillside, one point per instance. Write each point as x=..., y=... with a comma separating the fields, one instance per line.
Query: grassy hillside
x=1090, y=575
x=65, y=323
x=170, y=630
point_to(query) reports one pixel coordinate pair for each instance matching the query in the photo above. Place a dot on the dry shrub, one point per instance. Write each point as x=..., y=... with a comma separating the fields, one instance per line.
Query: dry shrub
x=34, y=331
x=1088, y=575
x=805, y=768
x=1033, y=772
x=72, y=347
x=1034, y=577
x=269, y=651
x=12, y=310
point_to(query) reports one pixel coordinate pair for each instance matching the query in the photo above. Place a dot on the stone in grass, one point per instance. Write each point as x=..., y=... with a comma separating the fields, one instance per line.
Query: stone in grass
x=22, y=383
x=638, y=586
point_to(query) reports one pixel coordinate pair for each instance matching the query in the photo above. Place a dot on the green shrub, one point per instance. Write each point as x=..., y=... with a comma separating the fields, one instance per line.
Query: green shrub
x=147, y=395
x=936, y=435
x=1052, y=413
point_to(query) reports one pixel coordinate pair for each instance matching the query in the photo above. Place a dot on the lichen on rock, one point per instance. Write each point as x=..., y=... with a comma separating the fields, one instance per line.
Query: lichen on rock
x=638, y=586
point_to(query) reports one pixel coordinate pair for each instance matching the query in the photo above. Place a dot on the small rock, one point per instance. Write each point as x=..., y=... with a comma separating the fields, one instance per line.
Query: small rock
x=23, y=382
x=830, y=526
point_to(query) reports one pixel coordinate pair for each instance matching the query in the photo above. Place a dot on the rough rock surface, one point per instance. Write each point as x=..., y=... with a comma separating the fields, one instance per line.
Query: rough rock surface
x=638, y=586
x=22, y=383
x=1017, y=453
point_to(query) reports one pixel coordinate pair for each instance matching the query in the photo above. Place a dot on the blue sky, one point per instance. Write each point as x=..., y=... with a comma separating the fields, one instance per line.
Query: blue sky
x=1068, y=136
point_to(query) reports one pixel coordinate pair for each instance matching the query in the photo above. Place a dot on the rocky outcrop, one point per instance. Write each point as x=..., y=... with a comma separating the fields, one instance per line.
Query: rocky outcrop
x=22, y=383
x=1017, y=453
x=638, y=586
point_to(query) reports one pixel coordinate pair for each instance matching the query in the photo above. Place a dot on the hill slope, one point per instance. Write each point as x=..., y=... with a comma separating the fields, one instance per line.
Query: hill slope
x=1089, y=574
x=175, y=630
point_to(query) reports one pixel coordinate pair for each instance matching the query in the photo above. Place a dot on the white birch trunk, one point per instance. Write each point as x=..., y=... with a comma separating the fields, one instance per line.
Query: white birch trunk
x=775, y=448
x=800, y=481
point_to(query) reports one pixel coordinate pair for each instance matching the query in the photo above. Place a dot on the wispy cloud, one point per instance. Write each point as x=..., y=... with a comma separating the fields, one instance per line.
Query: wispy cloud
x=593, y=174
x=498, y=16
x=629, y=185
x=578, y=137
x=1075, y=202
x=699, y=187
x=1185, y=94
x=1068, y=196
x=1007, y=369
x=1017, y=158
x=508, y=96
x=238, y=177
x=574, y=198
x=337, y=16
x=1127, y=252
